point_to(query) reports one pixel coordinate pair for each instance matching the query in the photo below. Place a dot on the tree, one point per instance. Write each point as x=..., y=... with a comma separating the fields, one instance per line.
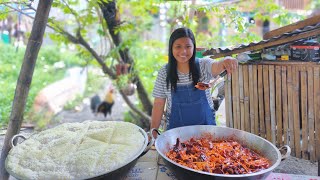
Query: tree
x=112, y=17
x=24, y=81
x=123, y=23
x=82, y=18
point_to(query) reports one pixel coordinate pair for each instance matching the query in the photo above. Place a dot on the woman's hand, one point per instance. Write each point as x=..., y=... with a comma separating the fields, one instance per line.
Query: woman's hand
x=230, y=64
x=202, y=86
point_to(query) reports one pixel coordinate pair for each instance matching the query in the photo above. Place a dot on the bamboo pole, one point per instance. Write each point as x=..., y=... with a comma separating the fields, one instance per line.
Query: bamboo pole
x=246, y=97
x=296, y=111
x=262, y=128
x=255, y=100
x=311, y=125
x=251, y=100
x=290, y=87
x=304, y=115
x=284, y=92
x=228, y=102
x=272, y=104
x=317, y=112
x=236, y=99
x=241, y=95
x=278, y=107
x=266, y=93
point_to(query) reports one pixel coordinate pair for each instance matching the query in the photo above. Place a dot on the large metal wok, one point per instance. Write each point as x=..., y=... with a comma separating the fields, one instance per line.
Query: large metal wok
x=117, y=173
x=168, y=139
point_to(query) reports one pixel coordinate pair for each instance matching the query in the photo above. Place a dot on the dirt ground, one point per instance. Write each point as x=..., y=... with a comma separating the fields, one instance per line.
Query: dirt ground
x=291, y=165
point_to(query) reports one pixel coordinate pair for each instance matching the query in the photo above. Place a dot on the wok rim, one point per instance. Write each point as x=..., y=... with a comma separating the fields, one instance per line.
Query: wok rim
x=142, y=149
x=215, y=174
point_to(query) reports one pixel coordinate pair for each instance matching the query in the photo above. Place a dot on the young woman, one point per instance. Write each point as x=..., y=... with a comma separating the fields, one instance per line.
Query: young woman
x=176, y=84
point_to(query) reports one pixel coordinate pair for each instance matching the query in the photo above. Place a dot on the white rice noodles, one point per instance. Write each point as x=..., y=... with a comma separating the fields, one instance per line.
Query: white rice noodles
x=76, y=150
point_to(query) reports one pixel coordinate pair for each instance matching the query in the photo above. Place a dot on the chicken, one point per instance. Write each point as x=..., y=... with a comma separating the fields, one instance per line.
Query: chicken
x=106, y=105
x=95, y=101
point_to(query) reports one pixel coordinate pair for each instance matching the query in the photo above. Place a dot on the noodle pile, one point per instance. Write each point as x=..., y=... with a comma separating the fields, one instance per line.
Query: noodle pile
x=76, y=150
x=221, y=157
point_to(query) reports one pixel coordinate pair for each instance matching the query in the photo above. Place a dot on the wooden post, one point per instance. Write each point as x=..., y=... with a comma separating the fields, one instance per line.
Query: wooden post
x=24, y=80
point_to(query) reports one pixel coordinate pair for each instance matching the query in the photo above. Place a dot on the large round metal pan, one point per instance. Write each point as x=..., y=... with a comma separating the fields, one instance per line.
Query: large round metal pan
x=167, y=140
x=117, y=173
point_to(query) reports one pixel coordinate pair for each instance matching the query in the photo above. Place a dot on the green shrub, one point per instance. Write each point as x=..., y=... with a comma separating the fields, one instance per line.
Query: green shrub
x=45, y=73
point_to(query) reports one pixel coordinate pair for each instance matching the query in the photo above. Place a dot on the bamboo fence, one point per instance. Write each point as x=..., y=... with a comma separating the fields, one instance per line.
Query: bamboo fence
x=279, y=101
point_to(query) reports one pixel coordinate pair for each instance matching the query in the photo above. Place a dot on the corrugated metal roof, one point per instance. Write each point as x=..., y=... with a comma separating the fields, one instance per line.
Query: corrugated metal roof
x=294, y=4
x=217, y=51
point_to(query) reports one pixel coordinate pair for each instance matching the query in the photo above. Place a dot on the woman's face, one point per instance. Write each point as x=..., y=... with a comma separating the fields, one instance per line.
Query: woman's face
x=182, y=49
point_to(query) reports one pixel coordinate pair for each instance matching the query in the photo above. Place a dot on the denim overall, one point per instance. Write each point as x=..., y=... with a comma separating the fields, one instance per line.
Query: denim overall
x=190, y=107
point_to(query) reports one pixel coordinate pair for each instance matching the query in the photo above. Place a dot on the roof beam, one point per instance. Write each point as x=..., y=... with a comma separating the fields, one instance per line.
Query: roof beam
x=303, y=35
x=298, y=25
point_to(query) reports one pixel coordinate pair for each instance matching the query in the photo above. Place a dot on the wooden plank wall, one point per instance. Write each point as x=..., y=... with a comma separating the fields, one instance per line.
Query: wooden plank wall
x=279, y=102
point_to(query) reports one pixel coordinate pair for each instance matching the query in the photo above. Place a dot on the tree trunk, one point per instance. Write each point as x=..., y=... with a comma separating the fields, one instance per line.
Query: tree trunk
x=112, y=17
x=25, y=79
x=142, y=94
x=145, y=118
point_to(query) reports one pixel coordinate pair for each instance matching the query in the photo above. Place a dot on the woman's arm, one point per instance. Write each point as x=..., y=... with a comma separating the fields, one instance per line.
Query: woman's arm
x=228, y=63
x=157, y=112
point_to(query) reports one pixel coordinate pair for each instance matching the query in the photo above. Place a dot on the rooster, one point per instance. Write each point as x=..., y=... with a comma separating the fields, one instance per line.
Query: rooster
x=106, y=105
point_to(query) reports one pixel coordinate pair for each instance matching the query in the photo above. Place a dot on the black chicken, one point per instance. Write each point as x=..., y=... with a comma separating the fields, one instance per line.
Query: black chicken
x=95, y=101
x=106, y=106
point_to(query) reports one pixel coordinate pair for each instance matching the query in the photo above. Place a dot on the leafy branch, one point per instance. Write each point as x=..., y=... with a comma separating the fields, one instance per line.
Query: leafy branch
x=79, y=39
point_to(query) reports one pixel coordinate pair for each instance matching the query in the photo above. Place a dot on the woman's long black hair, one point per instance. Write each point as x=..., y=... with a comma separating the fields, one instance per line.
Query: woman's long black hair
x=172, y=72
